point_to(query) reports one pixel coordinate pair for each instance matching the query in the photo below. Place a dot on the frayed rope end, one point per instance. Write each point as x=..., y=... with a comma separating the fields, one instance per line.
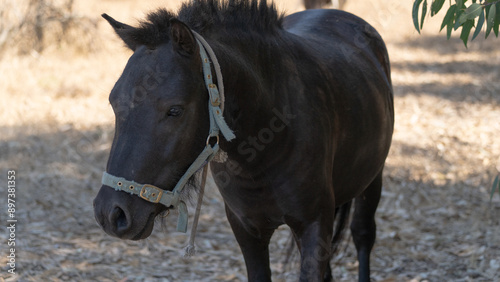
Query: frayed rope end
x=189, y=251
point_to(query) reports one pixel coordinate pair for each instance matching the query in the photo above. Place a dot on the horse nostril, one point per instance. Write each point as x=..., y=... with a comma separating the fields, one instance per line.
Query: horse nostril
x=118, y=220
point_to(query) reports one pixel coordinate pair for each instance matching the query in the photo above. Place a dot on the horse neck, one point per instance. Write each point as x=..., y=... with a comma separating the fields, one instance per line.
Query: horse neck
x=249, y=73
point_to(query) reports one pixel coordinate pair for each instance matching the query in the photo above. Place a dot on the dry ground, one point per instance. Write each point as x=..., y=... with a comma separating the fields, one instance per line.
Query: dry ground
x=435, y=219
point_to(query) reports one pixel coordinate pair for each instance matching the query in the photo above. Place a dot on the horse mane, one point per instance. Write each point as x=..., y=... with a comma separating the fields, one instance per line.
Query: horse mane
x=238, y=14
x=209, y=15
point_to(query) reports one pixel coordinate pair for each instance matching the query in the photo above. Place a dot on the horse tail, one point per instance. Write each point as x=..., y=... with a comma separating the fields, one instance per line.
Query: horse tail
x=342, y=221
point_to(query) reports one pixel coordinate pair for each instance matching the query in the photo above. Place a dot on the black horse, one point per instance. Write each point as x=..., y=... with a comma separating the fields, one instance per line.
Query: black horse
x=309, y=98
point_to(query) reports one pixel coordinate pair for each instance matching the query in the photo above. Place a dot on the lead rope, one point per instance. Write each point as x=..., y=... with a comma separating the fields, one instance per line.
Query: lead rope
x=190, y=249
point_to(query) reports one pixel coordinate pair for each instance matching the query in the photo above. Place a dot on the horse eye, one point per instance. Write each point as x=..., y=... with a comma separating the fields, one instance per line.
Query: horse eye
x=175, y=111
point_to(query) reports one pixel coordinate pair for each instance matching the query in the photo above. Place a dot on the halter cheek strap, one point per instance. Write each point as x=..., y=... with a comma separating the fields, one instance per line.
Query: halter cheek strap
x=171, y=199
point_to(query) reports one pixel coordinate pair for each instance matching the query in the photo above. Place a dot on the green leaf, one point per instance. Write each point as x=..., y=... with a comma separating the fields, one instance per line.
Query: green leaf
x=449, y=28
x=497, y=21
x=473, y=11
x=467, y=26
x=424, y=12
x=414, y=13
x=436, y=6
x=462, y=19
x=490, y=20
x=457, y=17
x=449, y=17
x=494, y=187
x=479, y=26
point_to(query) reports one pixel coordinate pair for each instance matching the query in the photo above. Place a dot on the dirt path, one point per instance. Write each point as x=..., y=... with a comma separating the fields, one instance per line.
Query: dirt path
x=435, y=220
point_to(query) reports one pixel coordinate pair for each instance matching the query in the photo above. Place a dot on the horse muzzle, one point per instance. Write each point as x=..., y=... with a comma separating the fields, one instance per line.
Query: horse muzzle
x=124, y=216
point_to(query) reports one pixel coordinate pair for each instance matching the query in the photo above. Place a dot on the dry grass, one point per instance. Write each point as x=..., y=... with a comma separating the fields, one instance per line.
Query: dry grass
x=28, y=25
x=435, y=219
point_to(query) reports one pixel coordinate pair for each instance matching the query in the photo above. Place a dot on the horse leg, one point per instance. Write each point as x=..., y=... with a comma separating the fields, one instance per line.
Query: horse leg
x=363, y=228
x=255, y=249
x=315, y=247
x=327, y=277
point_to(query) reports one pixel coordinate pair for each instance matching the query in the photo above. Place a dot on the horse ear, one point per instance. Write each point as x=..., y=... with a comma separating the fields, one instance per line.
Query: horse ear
x=123, y=31
x=182, y=38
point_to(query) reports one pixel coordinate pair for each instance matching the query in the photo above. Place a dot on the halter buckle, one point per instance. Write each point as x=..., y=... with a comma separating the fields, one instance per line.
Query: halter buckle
x=151, y=193
x=214, y=95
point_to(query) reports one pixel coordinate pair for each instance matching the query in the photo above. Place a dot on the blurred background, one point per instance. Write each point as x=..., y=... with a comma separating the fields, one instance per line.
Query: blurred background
x=58, y=63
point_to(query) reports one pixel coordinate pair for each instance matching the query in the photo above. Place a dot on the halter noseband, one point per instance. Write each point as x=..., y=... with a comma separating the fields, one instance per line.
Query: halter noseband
x=172, y=198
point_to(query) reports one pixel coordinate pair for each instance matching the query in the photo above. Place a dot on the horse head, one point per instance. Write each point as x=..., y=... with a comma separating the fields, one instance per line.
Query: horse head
x=161, y=123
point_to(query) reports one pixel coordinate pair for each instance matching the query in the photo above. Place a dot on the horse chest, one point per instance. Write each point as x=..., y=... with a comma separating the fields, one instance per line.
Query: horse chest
x=254, y=204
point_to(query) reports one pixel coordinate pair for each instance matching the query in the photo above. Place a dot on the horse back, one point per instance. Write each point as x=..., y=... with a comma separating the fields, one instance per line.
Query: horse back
x=336, y=31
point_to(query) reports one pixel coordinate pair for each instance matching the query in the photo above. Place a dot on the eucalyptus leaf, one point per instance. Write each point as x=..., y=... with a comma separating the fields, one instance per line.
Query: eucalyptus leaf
x=449, y=17
x=461, y=20
x=424, y=13
x=449, y=29
x=473, y=11
x=470, y=17
x=479, y=26
x=414, y=13
x=496, y=25
x=466, y=28
x=436, y=6
x=457, y=17
x=490, y=20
